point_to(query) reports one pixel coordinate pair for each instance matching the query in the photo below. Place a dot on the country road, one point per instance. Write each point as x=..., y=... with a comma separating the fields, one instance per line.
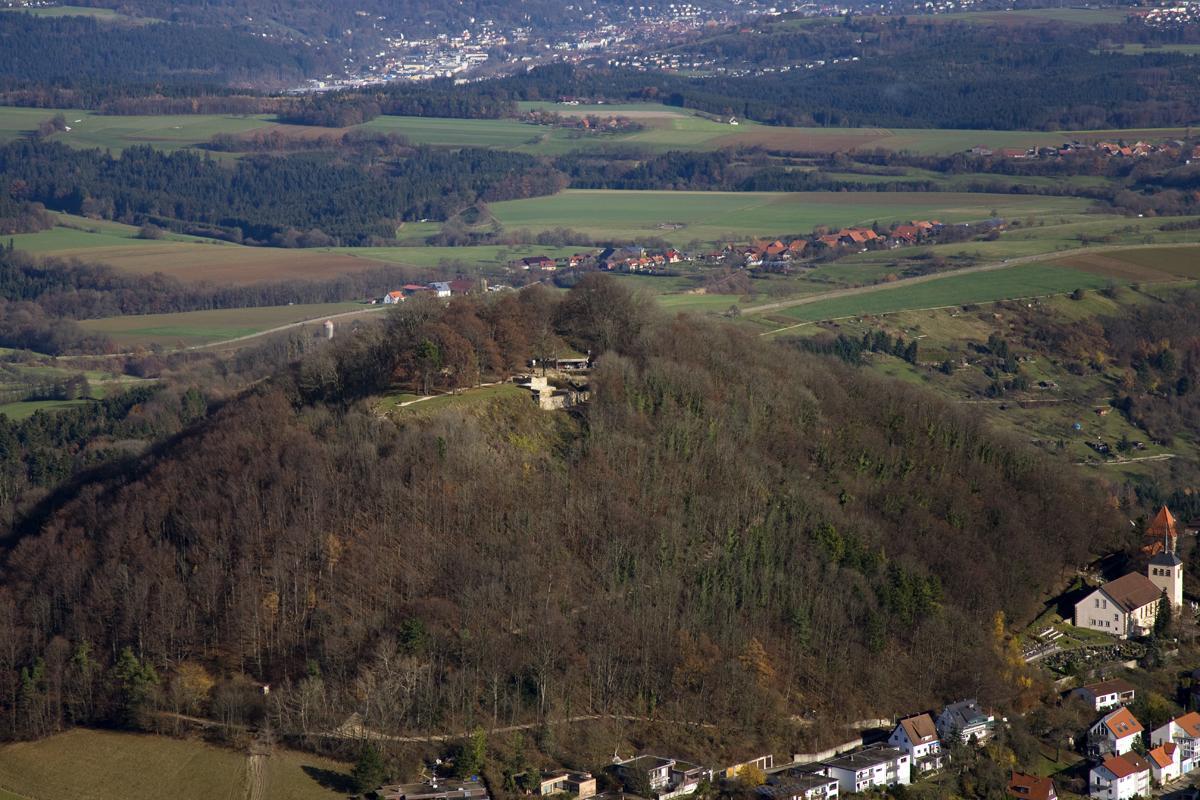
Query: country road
x=989, y=267
x=288, y=326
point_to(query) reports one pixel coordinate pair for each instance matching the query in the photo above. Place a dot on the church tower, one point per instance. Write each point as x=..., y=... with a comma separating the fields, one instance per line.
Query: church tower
x=1166, y=570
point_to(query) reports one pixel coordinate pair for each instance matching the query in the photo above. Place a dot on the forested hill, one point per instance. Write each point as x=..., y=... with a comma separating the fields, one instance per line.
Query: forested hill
x=730, y=530
x=80, y=51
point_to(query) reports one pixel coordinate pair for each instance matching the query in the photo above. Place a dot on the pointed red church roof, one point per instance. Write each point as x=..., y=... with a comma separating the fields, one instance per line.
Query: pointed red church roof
x=1160, y=528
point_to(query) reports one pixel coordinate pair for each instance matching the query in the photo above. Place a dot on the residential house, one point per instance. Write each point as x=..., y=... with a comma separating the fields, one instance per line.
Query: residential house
x=918, y=737
x=1116, y=732
x=1120, y=777
x=869, y=768
x=393, y=298
x=665, y=777
x=440, y=288
x=967, y=720
x=905, y=234
x=537, y=262
x=1184, y=732
x=1105, y=695
x=799, y=787
x=581, y=785
x=1124, y=607
x=1031, y=787
x=464, y=286
x=434, y=790
x=1164, y=763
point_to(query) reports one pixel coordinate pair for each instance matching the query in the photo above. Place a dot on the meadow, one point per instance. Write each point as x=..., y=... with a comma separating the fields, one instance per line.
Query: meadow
x=664, y=128
x=195, y=328
x=1021, y=281
x=100, y=765
x=102, y=14
x=189, y=258
x=682, y=217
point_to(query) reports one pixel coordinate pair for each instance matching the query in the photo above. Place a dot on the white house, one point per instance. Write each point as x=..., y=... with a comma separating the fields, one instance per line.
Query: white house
x=441, y=288
x=918, y=737
x=869, y=768
x=1127, y=606
x=1120, y=778
x=393, y=298
x=1184, y=733
x=1106, y=694
x=966, y=720
x=1115, y=732
x=1164, y=763
x=800, y=787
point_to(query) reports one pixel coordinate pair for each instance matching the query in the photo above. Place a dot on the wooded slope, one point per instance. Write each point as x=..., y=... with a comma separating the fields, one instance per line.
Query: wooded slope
x=731, y=530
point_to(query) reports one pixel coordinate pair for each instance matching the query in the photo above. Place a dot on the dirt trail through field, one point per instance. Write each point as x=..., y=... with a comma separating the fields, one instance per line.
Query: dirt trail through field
x=1060, y=256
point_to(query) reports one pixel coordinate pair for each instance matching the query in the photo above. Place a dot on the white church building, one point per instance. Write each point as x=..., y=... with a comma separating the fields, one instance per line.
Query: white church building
x=1128, y=606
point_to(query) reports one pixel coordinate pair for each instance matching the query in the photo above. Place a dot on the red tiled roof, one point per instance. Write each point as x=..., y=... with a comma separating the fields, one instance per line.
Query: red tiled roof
x=1126, y=765
x=1163, y=755
x=1121, y=723
x=1190, y=722
x=1030, y=787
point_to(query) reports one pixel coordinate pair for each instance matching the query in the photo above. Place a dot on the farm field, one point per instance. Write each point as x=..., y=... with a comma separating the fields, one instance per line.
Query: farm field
x=1141, y=264
x=191, y=328
x=1025, y=280
x=188, y=258
x=718, y=216
x=100, y=765
x=166, y=132
x=103, y=14
x=471, y=259
x=666, y=128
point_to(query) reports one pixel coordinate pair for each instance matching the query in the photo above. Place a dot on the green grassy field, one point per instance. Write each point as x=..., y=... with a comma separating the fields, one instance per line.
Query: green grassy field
x=102, y=765
x=1025, y=280
x=189, y=258
x=203, y=327
x=481, y=258
x=1078, y=16
x=718, y=216
x=104, y=14
x=1137, y=49
x=167, y=132
x=665, y=128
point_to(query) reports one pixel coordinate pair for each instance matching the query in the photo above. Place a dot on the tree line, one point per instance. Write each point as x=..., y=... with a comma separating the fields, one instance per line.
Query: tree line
x=266, y=199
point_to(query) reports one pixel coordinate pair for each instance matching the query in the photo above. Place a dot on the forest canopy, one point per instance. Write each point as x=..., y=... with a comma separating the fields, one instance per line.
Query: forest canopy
x=729, y=529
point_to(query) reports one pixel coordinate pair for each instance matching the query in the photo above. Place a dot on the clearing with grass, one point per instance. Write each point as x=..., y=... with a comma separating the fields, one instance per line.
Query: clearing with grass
x=194, y=328
x=100, y=765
